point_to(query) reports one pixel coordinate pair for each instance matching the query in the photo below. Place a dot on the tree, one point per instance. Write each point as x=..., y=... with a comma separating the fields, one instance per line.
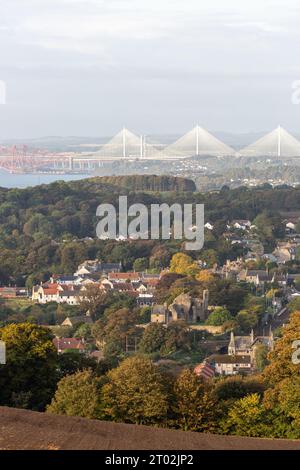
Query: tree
x=288, y=406
x=269, y=227
x=193, y=404
x=160, y=257
x=219, y=316
x=116, y=331
x=177, y=338
x=281, y=365
x=248, y=417
x=135, y=393
x=144, y=315
x=31, y=365
x=140, y=264
x=209, y=257
x=247, y=320
x=77, y=395
x=183, y=264
x=282, y=376
x=83, y=331
x=164, y=286
x=92, y=301
x=227, y=293
x=235, y=387
x=204, y=276
x=261, y=357
x=73, y=361
x=294, y=304
x=153, y=338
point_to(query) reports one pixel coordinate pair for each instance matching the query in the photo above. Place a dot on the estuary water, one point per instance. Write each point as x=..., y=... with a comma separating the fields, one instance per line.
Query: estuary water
x=9, y=180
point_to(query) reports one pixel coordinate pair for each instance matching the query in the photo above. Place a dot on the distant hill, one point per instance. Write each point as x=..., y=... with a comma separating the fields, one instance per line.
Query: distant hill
x=147, y=182
x=23, y=429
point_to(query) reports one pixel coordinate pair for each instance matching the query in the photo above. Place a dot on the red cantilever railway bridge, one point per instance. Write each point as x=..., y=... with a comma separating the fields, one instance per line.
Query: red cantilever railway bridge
x=18, y=159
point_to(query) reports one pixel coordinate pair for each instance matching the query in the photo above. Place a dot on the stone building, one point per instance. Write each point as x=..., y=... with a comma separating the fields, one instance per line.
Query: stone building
x=247, y=345
x=185, y=307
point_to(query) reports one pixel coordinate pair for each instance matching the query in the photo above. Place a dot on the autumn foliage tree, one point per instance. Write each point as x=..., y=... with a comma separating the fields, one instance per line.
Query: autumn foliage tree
x=248, y=417
x=77, y=395
x=194, y=406
x=135, y=393
x=281, y=365
x=183, y=264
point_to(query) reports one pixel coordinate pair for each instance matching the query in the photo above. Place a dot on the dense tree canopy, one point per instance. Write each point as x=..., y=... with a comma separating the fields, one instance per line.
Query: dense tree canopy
x=77, y=395
x=52, y=228
x=135, y=393
x=29, y=376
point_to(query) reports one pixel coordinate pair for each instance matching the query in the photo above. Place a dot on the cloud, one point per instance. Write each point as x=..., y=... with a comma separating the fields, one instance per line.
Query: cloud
x=96, y=27
x=191, y=56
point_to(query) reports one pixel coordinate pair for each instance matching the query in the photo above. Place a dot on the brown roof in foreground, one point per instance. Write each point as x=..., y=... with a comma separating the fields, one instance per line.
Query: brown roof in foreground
x=22, y=429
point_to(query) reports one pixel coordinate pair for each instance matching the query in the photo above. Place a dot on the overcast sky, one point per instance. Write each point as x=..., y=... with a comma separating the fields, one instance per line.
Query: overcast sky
x=89, y=67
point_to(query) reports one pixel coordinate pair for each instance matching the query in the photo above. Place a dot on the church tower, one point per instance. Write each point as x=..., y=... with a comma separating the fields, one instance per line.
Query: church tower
x=231, y=347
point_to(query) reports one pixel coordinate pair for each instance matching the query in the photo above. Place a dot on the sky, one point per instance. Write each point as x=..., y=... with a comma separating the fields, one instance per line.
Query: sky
x=90, y=67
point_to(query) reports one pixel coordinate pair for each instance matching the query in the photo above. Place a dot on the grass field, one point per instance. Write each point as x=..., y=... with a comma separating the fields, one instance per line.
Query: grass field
x=16, y=303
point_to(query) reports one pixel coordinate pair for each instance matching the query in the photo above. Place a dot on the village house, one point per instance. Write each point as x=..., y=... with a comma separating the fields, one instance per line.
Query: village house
x=233, y=238
x=70, y=288
x=258, y=277
x=58, y=293
x=47, y=293
x=240, y=224
x=241, y=356
x=65, y=279
x=124, y=277
x=160, y=314
x=225, y=364
x=144, y=300
x=70, y=297
x=95, y=266
x=241, y=345
x=254, y=246
x=13, y=292
x=231, y=269
x=285, y=252
x=77, y=320
x=64, y=344
x=290, y=226
x=205, y=370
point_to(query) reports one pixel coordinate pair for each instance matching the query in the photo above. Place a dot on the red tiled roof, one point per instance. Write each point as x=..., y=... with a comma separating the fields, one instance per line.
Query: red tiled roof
x=50, y=290
x=132, y=276
x=204, y=370
x=151, y=282
x=62, y=344
x=123, y=286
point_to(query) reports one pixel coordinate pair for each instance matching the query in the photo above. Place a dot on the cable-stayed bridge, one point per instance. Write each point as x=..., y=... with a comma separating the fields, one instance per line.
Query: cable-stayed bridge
x=277, y=144
x=196, y=143
x=128, y=146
